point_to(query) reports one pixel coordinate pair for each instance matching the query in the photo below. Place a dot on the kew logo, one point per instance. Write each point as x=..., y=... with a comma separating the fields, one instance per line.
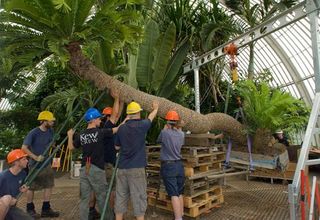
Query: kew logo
x=89, y=138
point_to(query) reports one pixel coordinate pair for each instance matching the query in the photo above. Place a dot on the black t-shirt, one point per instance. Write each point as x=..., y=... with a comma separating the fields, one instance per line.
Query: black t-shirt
x=110, y=151
x=93, y=141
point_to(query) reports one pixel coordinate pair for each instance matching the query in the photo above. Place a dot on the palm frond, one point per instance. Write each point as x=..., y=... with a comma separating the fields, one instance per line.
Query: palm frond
x=270, y=108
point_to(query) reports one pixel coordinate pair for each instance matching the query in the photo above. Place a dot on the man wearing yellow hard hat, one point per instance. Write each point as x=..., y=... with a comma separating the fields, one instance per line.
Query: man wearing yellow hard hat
x=11, y=185
x=131, y=177
x=35, y=144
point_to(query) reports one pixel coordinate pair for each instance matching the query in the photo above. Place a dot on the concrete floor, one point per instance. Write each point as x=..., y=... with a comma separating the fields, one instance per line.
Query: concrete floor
x=255, y=199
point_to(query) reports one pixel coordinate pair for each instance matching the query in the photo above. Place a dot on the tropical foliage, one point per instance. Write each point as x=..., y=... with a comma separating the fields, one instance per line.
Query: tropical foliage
x=159, y=60
x=33, y=30
x=86, y=36
x=270, y=109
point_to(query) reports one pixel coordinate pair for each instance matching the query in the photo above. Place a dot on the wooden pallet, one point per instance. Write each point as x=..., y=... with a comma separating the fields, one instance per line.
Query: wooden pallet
x=153, y=157
x=153, y=168
x=202, y=169
x=201, y=197
x=188, y=151
x=203, y=159
x=215, y=182
x=275, y=174
x=193, y=186
x=194, y=211
x=189, y=201
x=153, y=149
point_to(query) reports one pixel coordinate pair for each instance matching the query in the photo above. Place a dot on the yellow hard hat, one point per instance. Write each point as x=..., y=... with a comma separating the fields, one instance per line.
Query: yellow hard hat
x=46, y=116
x=133, y=107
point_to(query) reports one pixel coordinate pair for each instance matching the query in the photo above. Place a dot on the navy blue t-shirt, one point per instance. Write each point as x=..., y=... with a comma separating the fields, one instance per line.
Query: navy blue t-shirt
x=38, y=140
x=92, y=141
x=110, y=151
x=9, y=183
x=131, y=139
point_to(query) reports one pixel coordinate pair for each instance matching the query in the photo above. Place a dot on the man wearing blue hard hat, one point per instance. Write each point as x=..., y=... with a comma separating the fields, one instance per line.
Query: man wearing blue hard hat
x=92, y=142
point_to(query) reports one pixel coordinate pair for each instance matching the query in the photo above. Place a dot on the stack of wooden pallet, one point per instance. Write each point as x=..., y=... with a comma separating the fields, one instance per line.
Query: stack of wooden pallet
x=201, y=194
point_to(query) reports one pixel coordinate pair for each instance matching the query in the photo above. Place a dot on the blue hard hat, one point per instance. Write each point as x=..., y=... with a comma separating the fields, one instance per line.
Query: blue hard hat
x=92, y=113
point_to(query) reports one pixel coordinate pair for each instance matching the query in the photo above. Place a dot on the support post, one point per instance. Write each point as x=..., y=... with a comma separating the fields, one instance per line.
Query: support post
x=196, y=89
x=315, y=39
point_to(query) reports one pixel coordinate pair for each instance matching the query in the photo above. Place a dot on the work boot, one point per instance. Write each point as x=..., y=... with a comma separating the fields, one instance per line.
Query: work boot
x=49, y=213
x=94, y=214
x=33, y=214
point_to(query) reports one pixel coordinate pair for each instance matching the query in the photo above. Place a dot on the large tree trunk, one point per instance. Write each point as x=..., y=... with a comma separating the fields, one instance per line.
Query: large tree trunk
x=195, y=122
x=261, y=140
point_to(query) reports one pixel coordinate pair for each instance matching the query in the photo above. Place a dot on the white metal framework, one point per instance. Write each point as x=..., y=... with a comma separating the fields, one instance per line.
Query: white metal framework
x=296, y=75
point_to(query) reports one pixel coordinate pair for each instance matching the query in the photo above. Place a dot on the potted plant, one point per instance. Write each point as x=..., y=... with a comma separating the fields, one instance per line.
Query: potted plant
x=267, y=110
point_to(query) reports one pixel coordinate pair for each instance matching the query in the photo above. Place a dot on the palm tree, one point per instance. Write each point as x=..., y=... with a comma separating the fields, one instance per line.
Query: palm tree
x=37, y=29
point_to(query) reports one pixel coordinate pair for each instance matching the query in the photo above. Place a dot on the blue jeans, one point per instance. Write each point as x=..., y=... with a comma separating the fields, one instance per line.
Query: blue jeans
x=172, y=173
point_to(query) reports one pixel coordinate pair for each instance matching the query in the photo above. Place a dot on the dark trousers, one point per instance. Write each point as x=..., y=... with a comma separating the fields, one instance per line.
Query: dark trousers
x=15, y=213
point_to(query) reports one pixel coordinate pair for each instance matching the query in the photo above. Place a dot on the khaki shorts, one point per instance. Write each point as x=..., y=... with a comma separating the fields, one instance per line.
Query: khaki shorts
x=131, y=183
x=44, y=180
x=109, y=169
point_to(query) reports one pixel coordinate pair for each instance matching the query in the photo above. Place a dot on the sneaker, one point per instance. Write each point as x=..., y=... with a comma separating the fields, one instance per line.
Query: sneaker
x=49, y=213
x=94, y=214
x=33, y=214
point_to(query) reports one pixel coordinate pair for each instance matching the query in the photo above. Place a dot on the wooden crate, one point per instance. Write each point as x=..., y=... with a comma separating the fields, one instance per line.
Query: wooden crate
x=203, y=159
x=193, y=186
x=188, y=151
x=202, y=197
x=193, y=211
x=201, y=170
x=153, y=149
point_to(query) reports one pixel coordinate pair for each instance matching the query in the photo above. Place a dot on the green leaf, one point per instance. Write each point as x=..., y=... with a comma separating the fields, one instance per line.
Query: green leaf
x=132, y=80
x=61, y=5
x=173, y=69
x=162, y=55
x=145, y=54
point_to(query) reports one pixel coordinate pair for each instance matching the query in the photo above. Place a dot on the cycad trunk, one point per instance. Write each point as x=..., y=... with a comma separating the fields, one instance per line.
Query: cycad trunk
x=261, y=140
x=195, y=122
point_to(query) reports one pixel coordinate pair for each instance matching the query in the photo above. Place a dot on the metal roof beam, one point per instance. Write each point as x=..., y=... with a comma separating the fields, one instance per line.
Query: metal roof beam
x=284, y=19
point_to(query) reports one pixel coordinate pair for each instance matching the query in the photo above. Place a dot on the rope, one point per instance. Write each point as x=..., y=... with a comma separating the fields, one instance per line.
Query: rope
x=249, y=144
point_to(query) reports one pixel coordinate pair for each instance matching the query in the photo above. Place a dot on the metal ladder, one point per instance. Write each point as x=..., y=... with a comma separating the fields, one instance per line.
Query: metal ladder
x=312, y=129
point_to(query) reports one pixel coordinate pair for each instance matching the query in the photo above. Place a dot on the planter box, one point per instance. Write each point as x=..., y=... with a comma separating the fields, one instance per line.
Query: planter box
x=262, y=161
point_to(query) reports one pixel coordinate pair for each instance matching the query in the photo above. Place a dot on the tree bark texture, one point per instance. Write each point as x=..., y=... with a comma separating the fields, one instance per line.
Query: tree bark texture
x=194, y=122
